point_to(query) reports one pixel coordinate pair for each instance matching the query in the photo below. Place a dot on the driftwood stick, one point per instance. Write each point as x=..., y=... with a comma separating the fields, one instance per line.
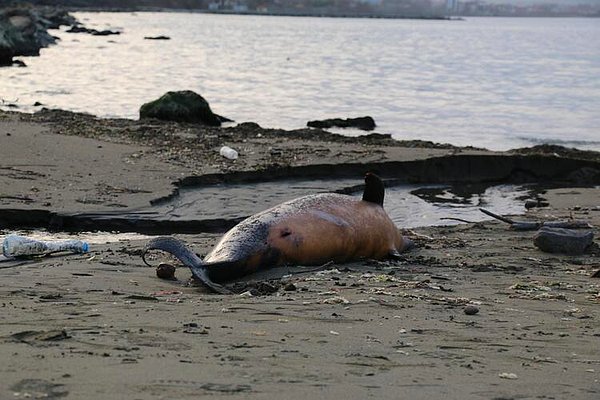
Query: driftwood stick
x=499, y=217
x=532, y=226
x=458, y=219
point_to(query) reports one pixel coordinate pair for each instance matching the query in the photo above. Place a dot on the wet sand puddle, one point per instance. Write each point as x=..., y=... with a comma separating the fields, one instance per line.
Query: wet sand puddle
x=218, y=207
x=409, y=206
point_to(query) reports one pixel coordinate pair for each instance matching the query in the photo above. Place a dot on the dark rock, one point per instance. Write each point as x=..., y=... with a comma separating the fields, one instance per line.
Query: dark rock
x=78, y=29
x=183, y=106
x=471, y=309
x=19, y=63
x=7, y=50
x=363, y=123
x=23, y=31
x=26, y=32
x=105, y=32
x=157, y=37
x=94, y=32
x=249, y=125
x=223, y=119
x=54, y=18
x=552, y=150
x=566, y=241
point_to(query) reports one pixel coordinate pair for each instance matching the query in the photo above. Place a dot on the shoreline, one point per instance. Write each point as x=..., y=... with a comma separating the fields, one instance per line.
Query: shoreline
x=152, y=159
x=102, y=325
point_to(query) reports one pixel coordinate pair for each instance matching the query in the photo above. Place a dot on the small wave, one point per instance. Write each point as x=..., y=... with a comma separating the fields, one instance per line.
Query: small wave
x=53, y=91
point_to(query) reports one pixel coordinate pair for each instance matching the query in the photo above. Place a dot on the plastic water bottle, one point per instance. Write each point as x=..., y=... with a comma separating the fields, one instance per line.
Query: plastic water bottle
x=15, y=246
x=228, y=153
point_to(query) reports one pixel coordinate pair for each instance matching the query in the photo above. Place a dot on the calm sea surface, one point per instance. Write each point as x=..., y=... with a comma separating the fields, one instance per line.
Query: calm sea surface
x=493, y=82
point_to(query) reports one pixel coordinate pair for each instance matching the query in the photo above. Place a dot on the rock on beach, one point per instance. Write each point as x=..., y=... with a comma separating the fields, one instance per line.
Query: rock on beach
x=364, y=123
x=182, y=106
x=560, y=240
x=23, y=31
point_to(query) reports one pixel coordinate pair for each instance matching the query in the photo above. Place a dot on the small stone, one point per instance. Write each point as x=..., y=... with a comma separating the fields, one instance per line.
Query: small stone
x=165, y=271
x=290, y=287
x=508, y=375
x=471, y=309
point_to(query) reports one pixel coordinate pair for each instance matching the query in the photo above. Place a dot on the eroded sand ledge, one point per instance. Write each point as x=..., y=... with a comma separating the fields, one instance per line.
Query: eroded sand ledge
x=102, y=326
x=66, y=170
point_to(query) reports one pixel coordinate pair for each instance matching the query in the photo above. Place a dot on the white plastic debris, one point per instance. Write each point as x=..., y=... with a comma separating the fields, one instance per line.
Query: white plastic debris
x=228, y=153
x=15, y=246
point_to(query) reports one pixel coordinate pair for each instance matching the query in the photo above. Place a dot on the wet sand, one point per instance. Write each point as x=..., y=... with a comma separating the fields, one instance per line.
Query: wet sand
x=101, y=325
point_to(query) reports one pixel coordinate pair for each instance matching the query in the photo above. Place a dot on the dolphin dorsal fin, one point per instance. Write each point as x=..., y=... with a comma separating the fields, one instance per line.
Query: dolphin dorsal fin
x=374, y=189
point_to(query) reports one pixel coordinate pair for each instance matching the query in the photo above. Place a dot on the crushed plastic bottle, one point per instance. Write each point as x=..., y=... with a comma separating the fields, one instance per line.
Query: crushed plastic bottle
x=16, y=246
x=228, y=153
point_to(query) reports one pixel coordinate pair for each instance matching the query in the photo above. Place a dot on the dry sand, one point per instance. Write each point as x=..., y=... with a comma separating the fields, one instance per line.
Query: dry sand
x=102, y=326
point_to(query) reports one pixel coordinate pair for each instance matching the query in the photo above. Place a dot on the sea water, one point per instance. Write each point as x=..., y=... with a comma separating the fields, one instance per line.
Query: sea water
x=498, y=83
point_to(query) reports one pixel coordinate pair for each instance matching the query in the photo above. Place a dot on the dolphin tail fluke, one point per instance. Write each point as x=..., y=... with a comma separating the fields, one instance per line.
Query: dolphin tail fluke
x=184, y=254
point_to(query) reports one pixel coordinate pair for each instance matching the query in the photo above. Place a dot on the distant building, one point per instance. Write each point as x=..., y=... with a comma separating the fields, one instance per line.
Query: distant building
x=452, y=7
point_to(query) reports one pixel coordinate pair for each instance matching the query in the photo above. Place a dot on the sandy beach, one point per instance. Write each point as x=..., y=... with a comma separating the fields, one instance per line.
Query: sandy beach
x=102, y=325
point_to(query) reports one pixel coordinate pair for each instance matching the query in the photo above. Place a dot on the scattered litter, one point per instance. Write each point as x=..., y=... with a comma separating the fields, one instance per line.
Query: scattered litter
x=336, y=300
x=508, y=375
x=228, y=153
x=334, y=332
x=19, y=246
x=535, y=291
x=530, y=287
x=333, y=271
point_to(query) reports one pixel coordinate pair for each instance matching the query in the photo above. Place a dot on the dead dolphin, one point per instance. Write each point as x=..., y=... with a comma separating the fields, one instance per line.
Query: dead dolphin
x=309, y=230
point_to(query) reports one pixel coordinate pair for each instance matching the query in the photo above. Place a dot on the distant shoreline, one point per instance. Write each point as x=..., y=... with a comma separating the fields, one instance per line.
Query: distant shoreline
x=310, y=15
x=327, y=15
x=258, y=13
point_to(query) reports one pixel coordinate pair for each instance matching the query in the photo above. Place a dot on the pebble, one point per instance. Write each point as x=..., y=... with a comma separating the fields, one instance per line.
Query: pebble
x=471, y=309
x=165, y=271
x=290, y=287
